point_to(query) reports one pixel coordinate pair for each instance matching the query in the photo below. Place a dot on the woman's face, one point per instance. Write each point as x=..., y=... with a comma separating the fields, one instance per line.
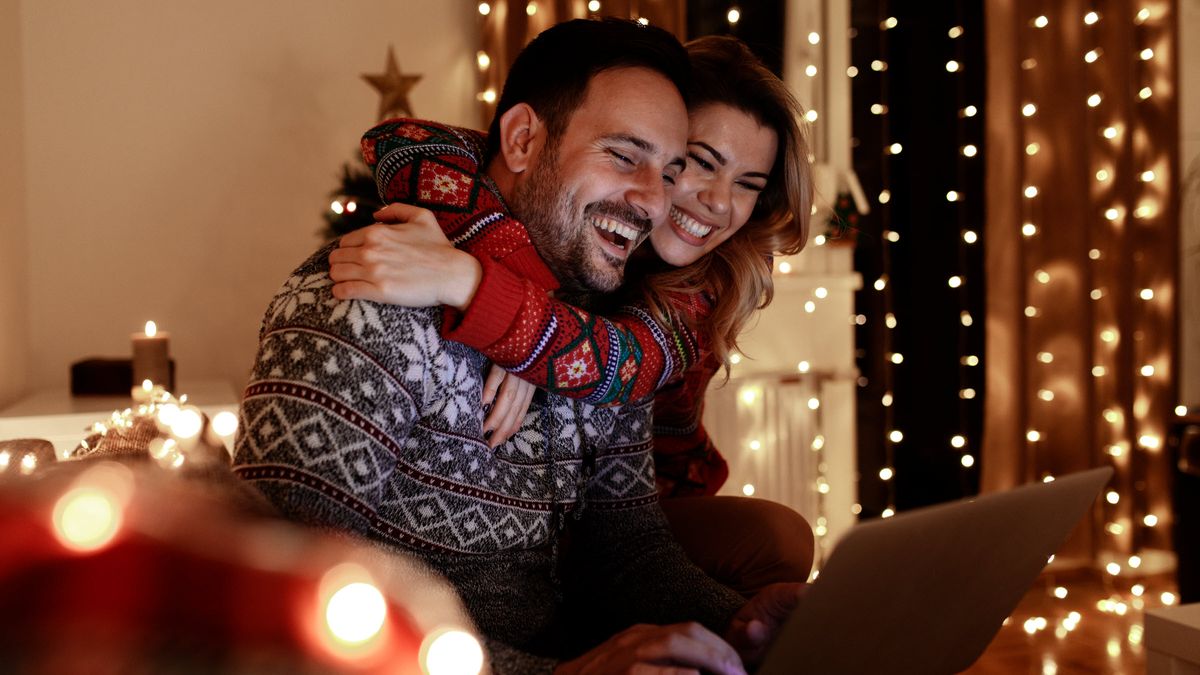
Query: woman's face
x=730, y=156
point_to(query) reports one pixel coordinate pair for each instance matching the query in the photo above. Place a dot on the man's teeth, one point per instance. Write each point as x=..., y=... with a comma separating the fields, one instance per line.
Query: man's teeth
x=620, y=229
x=689, y=224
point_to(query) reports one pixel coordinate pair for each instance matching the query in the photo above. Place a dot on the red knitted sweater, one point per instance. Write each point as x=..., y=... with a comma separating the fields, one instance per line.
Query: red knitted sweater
x=514, y=320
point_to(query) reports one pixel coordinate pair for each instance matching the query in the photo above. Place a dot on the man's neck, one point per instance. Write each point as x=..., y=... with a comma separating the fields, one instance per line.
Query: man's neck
x=505, y=180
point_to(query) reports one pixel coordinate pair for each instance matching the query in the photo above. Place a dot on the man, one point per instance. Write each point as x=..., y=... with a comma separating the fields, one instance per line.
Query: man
x=362, y=417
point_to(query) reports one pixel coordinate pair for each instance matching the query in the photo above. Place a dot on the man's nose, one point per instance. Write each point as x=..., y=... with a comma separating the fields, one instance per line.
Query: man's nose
x=649, y=195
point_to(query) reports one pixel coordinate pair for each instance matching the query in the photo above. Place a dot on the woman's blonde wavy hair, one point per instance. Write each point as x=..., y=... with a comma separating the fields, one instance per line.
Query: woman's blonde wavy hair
x=737, y=274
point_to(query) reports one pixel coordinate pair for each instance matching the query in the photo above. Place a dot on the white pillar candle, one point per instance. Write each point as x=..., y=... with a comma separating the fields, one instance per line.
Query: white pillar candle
x=151, y=358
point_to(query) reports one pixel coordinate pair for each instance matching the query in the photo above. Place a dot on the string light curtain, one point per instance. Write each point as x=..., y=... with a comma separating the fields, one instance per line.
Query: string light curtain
x=917, y=72
x=507, y=26
x=1082, y=257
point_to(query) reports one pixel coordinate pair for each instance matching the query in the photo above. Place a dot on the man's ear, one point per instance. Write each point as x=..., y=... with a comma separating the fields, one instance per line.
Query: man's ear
x=521, y=136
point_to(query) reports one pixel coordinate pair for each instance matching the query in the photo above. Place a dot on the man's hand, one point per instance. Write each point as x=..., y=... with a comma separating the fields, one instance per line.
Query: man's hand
x=755, y=626
x=678, y=648
x=403, y=260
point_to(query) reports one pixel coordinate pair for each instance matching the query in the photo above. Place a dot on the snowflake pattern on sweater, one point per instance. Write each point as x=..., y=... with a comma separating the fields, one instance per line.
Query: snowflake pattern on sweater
x=362, y=418
x=512, y=320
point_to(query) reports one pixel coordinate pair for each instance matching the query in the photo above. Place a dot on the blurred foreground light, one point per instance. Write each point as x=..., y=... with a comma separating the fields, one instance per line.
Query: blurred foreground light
x=355, y=613
x=225, y=423
x=87, y=518
x=451, y=652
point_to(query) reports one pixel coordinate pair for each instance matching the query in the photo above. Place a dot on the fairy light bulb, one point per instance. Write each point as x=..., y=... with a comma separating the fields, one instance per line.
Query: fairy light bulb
x=755, y=445
x=886, y=473
x=953, y=66
x=890, y=23
x=954, y=281
x=804, y=366
x=1031, y=311
x=1091, y=56
x=1094, y=254
x=1146, y=294
x=852, y=72
x=810, y=70
x=897, y=358
x=451, y=652
x=952, y=196
x=1098, y=371
x=1042, y=276
x=531, y=8
x=483, y=60
x=885, y=196
x=970, y=111
x=881, y=283
x=886, y=400
x=1032, y=149
x=733, y=16
x=1094, y=100
x=878, y=109
x=958, y=441
x=1029, y=229
x=1045, y=357
x=488, y=96
x=1150, y=520
x=1029, y=64
x=955, y=32
x=593, y=5
x=1041, y=22
x=1147, y=370
x=970, y=236
x=1145, y=93
x=1147, y=177
x=1112, y=497
x=814, y=38
x=967, y=393
x=810, y=307
x=1146, y=54
x=1033, y=436
x=748, y=490
x=1046, y=395
x=1112, y=214
x=1031, y=191
x=1102, y=175
x=1108, y=335
x=970, y=360
x=877, y=65
x=485, y=8
x=896, y=436
x=1181, y=410
x=1110, y=132
x=1091, y=18
x=895, y=149
x=811, y=115
x=1029, y=110
x=965, y=319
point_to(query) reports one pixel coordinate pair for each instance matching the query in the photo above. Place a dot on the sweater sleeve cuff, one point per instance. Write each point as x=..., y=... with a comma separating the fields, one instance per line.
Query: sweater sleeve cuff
x=492, y=311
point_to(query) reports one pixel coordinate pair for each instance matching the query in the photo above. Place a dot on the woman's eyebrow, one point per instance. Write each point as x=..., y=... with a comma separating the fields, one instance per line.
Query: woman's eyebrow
x=716, y=155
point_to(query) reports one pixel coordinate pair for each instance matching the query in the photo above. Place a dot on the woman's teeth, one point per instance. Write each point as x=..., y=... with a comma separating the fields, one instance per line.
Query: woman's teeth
x=617, y=228
x=689, y=224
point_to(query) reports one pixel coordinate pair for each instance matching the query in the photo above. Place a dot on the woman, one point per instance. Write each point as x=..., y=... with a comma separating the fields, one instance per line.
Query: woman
x=745, y=196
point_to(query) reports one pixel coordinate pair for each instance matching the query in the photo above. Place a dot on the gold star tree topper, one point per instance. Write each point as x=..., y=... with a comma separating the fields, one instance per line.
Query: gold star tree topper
x=393, y=87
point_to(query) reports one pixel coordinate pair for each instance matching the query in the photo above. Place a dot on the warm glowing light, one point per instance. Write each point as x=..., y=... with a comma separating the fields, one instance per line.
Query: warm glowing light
x=733, y=16
x=896, y=436
x=1091, y=18
x=748, y=490
x=225, y=423
x=1031, y=311
x=1060, y=592
x=1168, y=598
x=1146, y=54
x=1094, y=254
x=1029, y=229
x=337, y=207
x=1042, y=276
x=1146, y=294
x=1112, y=497
x=1033, y=435
x=1112, y=214
x=1145, y=210
x=1032, y=149
x=1041, y=22
x=483, y=60
x=1048, y=479
x=818, y=442
x=1111, y=416
x=965, y=319
x=1145, y=93
x=810, y=306
x=1029, y=64
x=755, y=444
x=1045, y=357
x=187, y=423
x=885, y=196
x=749, y=396
x=886, y=473
x=952, y=196
x=886, y=400
x=1137, y=590
x=897, y=358
x=970, y=111
x=890, y=23
x=1150, y=442
x=967, y=461
x=593, y=5
x=881, y=283
x=452, y=652
x=970, y=236
x=1181, y=410
x=888, y=512
x=970, y=360
x=953, y=66
x=878, y=109
x=970, y=150
x=643, y=20
x=1147, y=370
x=488, y=96
x=958, y=441
x=1113, y=568
x=1108, y=335
x=814, y=403
x=355, y=613
x=1102, y=175
x=954, y=281
x=814, y=38
x=1094, y=100
x=804, y=366
x=811, y=115
x=1135, y=561
x=1046, y=395
x=895, y=148
x=1150, y=520
x=810, y=70
x=1029, y=110
x=852, y=72
x=1098, y=371
x=967, y=393
x=1031, y=191
x=1142, y=15
x=86, y=518
x=735, y=359
x=955, y=32
x=485, y=8
x=1091, y=56
x=1110, y=132
x=531, y=8
x=1147, y=176
x=878, y=66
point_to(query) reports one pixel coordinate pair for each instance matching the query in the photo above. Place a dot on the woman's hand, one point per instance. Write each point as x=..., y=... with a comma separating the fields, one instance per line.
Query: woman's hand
x=404, y=259
x=509, y=397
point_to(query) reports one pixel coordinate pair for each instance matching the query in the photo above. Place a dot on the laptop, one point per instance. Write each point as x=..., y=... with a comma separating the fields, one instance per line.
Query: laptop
x=925, y=591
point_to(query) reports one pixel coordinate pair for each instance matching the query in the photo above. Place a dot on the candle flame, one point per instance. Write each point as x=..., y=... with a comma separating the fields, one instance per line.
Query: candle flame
x=151, y=329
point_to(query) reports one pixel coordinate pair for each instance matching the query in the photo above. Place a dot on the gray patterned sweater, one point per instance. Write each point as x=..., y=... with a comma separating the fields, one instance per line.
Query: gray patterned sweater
x=360, y=417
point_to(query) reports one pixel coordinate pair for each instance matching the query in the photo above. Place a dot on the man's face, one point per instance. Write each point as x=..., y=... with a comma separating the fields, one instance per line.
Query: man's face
x=592, y=195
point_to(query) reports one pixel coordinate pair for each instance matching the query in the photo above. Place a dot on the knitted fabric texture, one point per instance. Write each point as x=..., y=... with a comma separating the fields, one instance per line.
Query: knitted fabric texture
x=513, y=321
x=361, y=417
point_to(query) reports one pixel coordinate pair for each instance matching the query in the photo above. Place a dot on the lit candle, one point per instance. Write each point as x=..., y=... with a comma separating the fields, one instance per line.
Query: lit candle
x=151, y=360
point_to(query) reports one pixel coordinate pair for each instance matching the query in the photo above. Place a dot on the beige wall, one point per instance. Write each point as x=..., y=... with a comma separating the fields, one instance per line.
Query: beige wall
x=178, y=156
x=14, y=314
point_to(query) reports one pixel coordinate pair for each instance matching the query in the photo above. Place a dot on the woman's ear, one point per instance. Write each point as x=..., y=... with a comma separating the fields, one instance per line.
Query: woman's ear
x=521, y=132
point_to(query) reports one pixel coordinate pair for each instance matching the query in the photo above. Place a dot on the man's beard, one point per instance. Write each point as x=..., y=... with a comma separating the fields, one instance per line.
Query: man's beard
x=561, y=232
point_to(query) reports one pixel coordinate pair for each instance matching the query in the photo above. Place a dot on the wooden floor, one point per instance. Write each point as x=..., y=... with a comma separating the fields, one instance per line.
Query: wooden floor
x=1108, y=640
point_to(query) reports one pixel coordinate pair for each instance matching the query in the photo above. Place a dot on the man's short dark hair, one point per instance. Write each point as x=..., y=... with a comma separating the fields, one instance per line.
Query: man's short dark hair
x=553, y=71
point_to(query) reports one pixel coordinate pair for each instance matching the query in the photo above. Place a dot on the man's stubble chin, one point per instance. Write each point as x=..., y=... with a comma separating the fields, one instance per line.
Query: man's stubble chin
x=562, y=236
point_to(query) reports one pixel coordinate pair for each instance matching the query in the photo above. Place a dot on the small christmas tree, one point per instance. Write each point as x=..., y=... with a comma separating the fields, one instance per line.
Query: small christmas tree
x=355, y=201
